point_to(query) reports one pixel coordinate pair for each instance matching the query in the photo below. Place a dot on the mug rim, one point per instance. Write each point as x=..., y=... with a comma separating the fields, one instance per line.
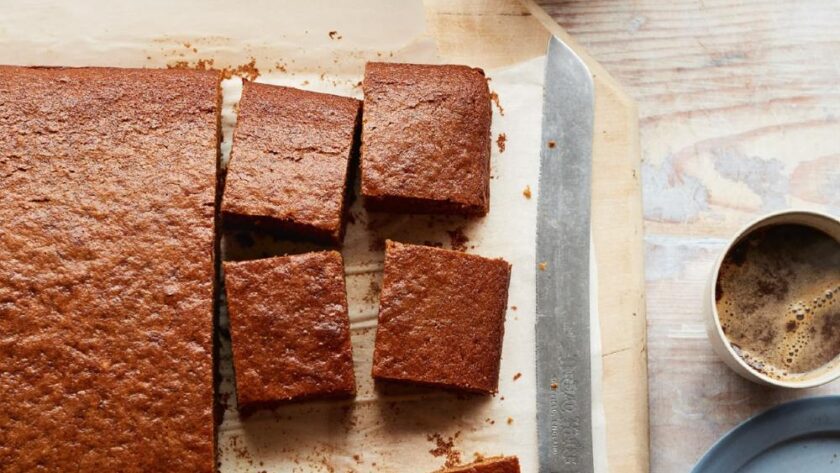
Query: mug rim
x=744, y=231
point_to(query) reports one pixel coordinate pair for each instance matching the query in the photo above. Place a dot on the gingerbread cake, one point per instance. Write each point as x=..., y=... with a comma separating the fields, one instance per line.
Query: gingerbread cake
x=289, y=161
x=441, y=318
x=289, y=328
x=106, y=272
x=426, y=139
x=488, y=465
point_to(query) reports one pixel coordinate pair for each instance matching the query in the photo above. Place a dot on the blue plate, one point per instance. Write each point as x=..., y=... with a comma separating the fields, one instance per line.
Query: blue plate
x=799, y=436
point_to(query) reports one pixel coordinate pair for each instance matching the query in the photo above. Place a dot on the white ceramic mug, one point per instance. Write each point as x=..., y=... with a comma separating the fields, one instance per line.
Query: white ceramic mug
x=824, y=222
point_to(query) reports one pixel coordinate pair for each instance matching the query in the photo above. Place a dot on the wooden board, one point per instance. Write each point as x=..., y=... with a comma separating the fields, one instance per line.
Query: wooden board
x=499, y=33
x=738, y=117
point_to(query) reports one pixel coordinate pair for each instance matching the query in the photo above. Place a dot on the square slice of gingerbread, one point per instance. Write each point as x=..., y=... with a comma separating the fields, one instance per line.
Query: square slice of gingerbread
x=488, y=465
x=441, y=318
x=426, y=139
x=289, y=162
x=289, y=329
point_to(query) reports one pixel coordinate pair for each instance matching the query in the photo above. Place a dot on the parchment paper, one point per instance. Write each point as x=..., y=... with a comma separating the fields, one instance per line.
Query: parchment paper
x=402, y=430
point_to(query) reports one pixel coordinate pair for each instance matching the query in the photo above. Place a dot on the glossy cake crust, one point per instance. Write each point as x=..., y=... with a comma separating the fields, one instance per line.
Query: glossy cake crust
x=106, y=272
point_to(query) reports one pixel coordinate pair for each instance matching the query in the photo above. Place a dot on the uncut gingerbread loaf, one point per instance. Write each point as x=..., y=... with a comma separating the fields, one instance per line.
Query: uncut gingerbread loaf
x=106, y=273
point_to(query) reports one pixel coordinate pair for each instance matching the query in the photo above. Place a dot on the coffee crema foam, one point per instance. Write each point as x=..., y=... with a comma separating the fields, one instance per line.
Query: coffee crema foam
x=777, y=299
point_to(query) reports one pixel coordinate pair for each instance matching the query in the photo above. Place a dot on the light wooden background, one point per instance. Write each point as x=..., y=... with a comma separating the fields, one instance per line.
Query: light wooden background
x=739, y=106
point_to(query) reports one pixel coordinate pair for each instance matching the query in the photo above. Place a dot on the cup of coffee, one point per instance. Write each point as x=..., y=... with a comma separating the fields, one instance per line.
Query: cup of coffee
x=773, y=300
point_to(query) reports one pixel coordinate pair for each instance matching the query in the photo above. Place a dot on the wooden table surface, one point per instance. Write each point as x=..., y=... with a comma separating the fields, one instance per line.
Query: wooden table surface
x=740, y=115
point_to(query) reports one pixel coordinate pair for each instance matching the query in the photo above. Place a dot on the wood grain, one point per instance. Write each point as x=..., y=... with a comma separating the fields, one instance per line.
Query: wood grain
x=738, y=117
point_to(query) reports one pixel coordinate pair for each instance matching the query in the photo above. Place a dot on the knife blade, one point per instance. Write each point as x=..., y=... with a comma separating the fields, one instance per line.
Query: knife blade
x=564, y=384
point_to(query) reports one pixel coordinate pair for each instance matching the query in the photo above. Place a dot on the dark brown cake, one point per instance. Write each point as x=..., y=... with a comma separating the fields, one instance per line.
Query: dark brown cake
x=441, y=318
x=106, y=270
x=488, y=465
x=289, y=329
x=426, y=139
x=289, y=161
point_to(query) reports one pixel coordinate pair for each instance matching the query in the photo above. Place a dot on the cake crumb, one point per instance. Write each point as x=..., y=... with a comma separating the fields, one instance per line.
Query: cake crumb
x=517, y=376
x=458, y=239
x=527, y=192
x=335, y=35
x=372, y=295
x=445, y=448
x=247, y=71
x=513, y=308
x=542, y=266
x=200, y=65
x=510, y=420
x=554, y=386
x=204, y=64
x=552, y=144
x=495, y=98
x=501, y=141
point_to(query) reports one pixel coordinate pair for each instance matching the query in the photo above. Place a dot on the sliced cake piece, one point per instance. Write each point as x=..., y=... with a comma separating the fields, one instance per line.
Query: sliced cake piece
x=289, y=161
x=488, y=465
x=441, y=318
x=106, y=269
x=426, y=139
x=289, y=329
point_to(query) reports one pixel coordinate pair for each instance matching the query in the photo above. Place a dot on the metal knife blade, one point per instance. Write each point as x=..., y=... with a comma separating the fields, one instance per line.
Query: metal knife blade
x=564, y=410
